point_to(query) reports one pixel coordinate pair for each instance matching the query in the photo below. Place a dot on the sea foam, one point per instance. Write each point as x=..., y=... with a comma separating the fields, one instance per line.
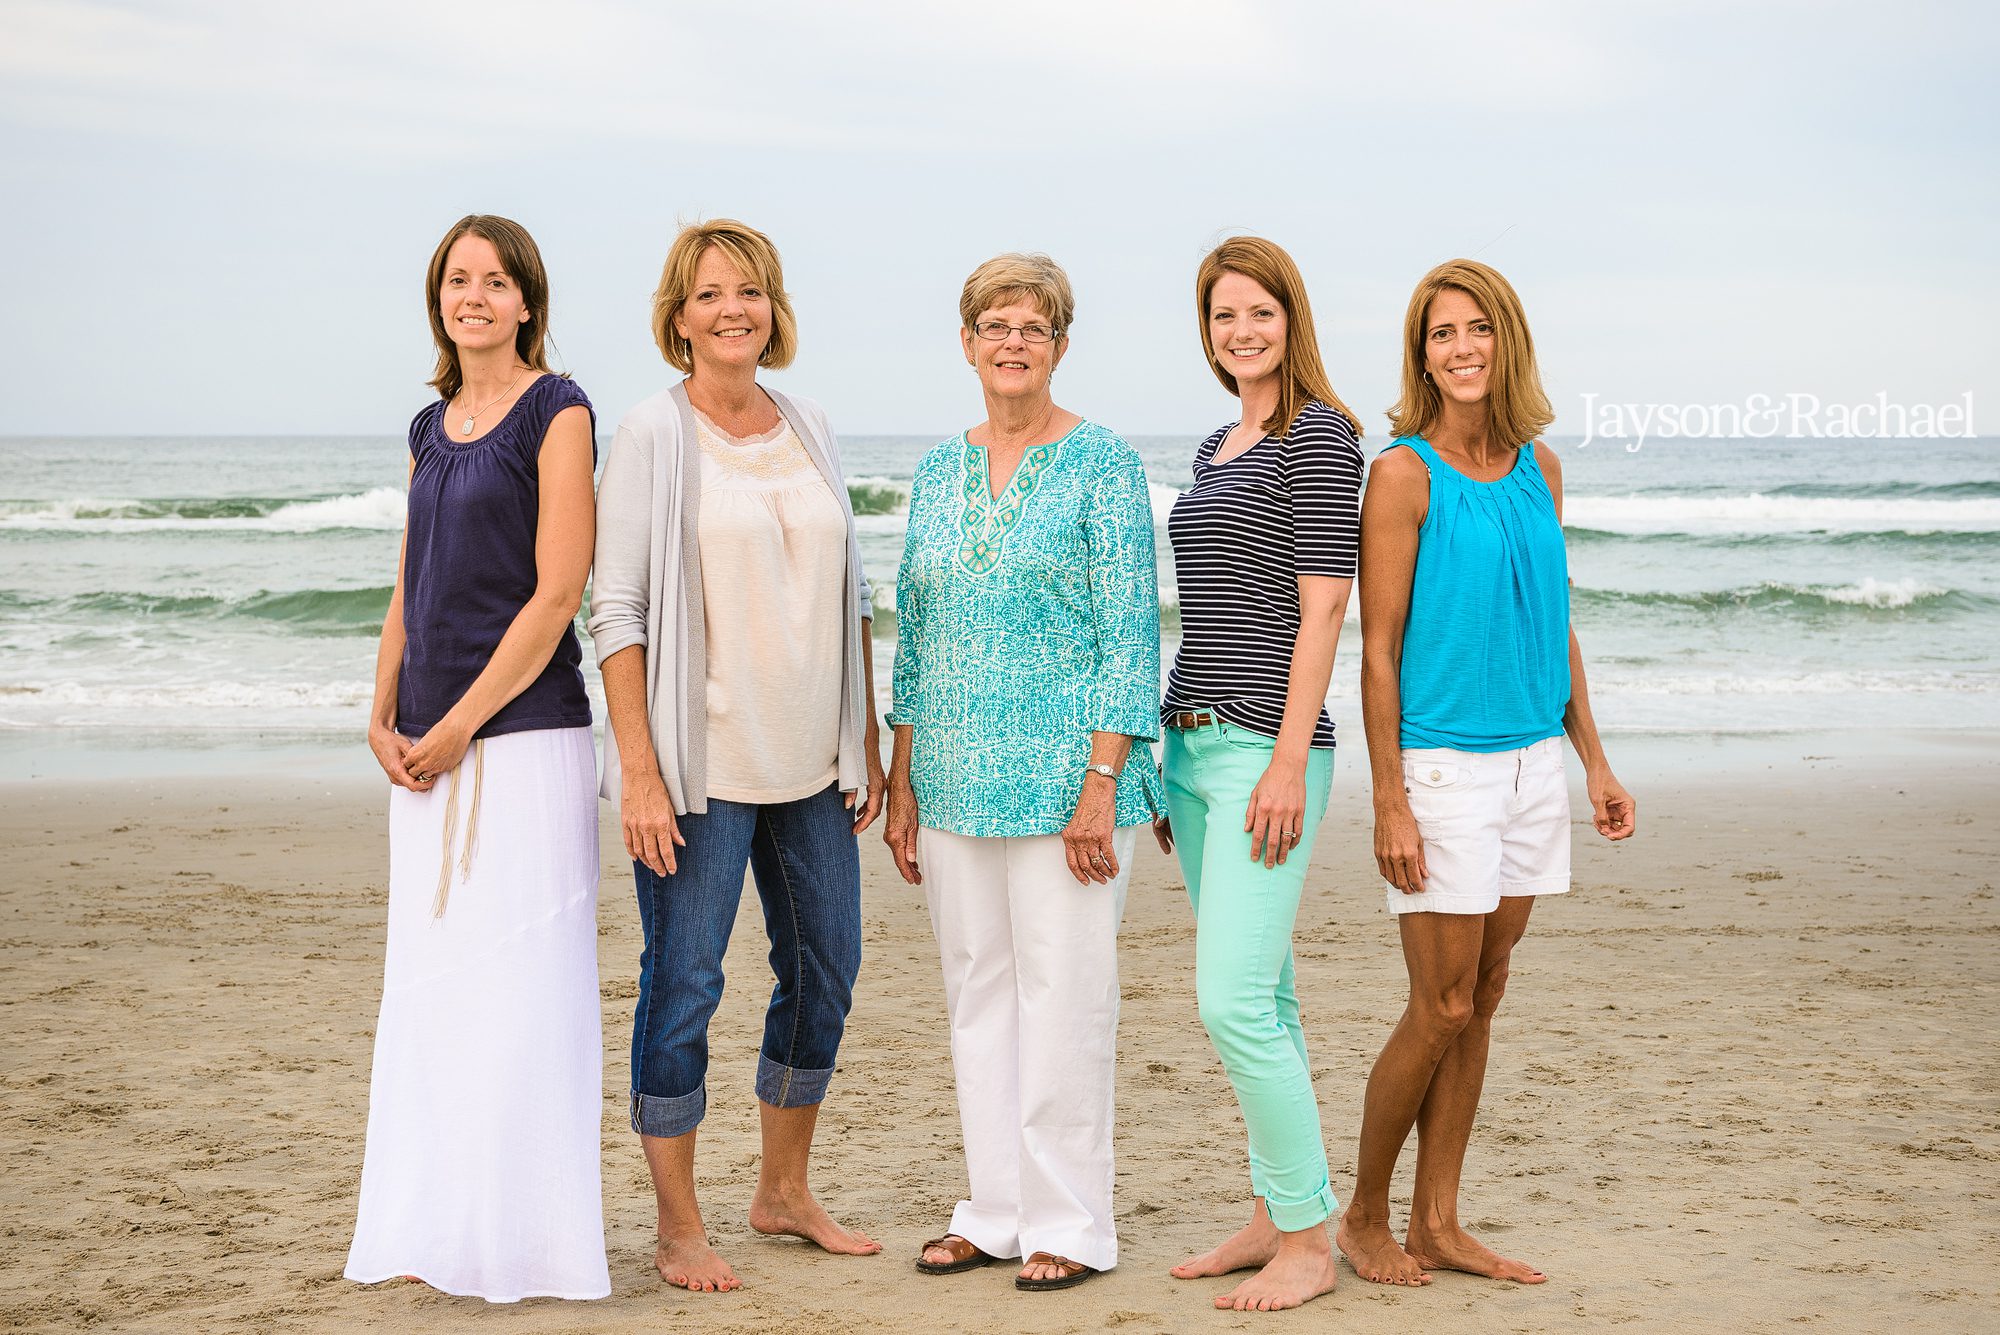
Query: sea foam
x=1758, y=513
x=376, y=508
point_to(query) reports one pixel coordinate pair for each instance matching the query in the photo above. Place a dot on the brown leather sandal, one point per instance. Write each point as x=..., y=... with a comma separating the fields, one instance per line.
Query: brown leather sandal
x=1073, y=1273
x=964, y=1256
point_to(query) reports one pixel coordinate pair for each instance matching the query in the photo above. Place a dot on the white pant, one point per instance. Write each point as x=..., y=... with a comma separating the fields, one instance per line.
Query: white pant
x=1030, y=961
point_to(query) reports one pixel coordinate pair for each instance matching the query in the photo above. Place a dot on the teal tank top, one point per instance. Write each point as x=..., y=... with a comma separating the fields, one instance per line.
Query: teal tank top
x=1486, y=648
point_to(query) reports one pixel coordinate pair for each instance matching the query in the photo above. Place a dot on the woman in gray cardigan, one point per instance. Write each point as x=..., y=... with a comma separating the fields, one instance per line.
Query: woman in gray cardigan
x=731, y=620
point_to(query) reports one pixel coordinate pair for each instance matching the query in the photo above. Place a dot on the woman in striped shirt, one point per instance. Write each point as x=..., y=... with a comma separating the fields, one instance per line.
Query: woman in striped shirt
x=1265, y=546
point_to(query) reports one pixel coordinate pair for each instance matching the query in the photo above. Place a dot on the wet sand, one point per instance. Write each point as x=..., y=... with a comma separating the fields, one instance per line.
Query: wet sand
x=1747, y=1076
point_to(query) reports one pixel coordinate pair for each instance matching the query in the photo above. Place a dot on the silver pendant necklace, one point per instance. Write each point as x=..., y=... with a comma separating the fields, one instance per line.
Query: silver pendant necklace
x=466, y=428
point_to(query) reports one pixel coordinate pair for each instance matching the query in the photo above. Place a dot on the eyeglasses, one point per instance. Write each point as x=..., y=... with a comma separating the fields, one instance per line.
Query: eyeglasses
x=995, y=330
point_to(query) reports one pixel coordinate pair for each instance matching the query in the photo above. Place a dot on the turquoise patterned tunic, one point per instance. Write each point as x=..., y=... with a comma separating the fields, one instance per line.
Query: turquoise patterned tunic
x=1023, y=625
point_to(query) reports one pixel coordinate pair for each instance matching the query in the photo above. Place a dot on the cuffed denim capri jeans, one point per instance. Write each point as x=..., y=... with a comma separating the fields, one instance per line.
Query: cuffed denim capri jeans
x=807, y=867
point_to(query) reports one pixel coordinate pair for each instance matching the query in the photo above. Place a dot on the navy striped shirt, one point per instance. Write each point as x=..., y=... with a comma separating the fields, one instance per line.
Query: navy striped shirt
x=1290, y=505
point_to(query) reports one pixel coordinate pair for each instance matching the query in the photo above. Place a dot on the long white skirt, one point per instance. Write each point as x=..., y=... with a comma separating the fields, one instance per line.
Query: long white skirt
x=481, y=1174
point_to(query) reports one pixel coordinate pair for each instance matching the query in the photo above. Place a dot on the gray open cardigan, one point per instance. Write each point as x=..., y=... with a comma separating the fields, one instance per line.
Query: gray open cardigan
x=646, y=588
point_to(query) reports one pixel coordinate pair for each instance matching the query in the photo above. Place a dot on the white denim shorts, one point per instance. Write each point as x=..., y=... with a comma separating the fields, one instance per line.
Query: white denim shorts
x=1494, y=824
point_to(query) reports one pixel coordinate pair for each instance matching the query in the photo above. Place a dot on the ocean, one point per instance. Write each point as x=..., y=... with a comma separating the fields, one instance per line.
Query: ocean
x=229, y=590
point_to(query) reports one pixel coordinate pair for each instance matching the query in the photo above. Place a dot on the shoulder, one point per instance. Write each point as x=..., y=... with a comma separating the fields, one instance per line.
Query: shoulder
x=653, y=416
x=555, y=395
x=813, y=418
x=1548, y=461
x=1098, y=442
x=1399, y=465
x=940, y=458
x=559, y=392
x=1319, y=428
x=943, y=453
x=424, y=423
x=809, y=409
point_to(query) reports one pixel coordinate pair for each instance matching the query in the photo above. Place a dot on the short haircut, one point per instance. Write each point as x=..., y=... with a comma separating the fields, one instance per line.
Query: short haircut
x=1015, y=277
x=753, y=255
x=1517, y=409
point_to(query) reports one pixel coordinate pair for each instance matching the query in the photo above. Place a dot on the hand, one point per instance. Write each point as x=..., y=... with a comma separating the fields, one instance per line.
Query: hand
x=900, y=830
x=1399, y=849
x=1163, y=833
x=391, y=749
x=1276, y=816
x=647, y=815
x=437, y=752
x=1087, y=837
x=866, y=807
x=1613, y=811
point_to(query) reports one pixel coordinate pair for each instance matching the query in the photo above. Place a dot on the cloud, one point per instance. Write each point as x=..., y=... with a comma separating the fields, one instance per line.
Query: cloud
x=405, y=83
x=421, y=81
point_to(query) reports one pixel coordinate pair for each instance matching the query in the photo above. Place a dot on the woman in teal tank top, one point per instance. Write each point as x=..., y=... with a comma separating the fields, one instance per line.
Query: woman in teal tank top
x=1470, y=678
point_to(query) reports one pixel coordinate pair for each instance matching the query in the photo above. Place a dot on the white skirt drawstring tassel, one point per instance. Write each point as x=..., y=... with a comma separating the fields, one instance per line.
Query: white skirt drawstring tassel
x=451, y=825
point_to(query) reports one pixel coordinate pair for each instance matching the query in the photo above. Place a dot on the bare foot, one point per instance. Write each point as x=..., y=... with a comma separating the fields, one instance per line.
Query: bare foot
x=1455, y=1249
x=798, y=1215
x=1249, y=1248
x=690, y=1263
x=1371, y=1249
x=1294, y=1277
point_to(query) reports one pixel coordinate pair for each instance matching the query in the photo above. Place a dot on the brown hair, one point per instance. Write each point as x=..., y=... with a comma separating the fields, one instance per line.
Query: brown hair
x=1266, y=264
x=1517, y=409
x=1017, y=277
x=523, y=262
x=754, y=256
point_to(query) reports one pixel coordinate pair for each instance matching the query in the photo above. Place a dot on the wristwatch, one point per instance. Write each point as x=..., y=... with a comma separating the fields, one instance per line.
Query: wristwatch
x=1105, y=770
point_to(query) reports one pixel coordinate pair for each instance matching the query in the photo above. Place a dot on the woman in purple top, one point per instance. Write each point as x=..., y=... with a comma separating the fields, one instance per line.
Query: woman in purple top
x=481, y=1172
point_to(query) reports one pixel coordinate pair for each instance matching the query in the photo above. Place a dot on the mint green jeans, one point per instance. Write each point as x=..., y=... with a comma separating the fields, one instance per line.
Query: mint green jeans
x=1244, y=913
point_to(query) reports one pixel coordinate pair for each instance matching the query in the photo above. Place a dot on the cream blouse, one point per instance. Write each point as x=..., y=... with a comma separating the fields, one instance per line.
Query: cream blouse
x=773, y=576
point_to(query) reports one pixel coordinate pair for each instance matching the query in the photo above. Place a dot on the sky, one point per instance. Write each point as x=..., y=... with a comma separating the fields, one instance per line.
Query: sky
x=218, y=214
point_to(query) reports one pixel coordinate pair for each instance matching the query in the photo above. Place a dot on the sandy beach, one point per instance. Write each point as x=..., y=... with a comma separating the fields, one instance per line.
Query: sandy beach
x=1748, y=1077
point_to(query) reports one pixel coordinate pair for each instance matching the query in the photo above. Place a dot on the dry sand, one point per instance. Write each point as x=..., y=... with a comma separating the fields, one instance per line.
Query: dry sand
x=1746, y=1078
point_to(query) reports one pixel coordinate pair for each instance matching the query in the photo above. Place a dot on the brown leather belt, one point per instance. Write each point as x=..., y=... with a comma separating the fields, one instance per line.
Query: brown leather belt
x=1190, y=719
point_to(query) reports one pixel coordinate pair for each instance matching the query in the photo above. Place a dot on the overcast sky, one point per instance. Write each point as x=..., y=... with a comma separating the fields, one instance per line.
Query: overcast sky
x=217, y=214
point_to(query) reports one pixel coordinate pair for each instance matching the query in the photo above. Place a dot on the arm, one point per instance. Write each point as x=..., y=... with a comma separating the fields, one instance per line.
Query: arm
x=1125, y=612
x=1278, y=802
x=566, y=526
x=620, y=595
x=391, y=747
x=645, y=812
x=1322, y=469
x=899, y=831
x=867, y=807
x=1392, y=512
x=1613, y=811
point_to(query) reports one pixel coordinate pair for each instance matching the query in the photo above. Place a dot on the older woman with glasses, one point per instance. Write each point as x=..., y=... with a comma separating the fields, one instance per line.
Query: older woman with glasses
x=1027, y=665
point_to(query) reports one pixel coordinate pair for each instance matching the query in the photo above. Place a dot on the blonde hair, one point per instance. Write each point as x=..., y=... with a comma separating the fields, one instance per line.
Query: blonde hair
x=522, y=261
x=1517, y=409
x=754, y=256
x=1303, y=374
x=1015, y=276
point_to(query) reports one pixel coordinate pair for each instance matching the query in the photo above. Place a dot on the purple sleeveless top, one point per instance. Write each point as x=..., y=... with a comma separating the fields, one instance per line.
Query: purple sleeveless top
x=469, y=566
